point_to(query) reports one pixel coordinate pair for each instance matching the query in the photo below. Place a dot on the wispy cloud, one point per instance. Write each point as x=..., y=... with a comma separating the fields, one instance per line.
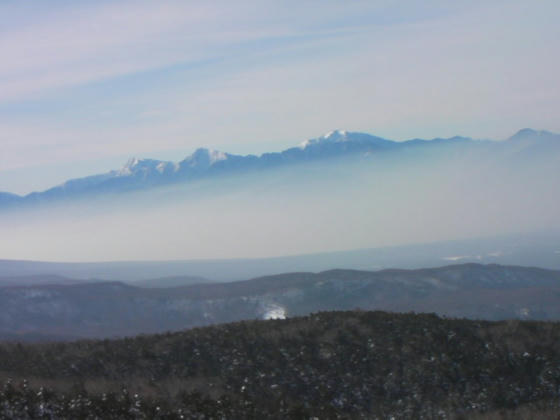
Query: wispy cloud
x=92, y=42
x=89, y=41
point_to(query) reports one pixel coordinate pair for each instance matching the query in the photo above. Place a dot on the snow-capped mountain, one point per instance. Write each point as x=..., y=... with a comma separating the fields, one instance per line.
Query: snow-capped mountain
x=139, y=174
x=135, y=174
x=203, y=158
x=344, y=139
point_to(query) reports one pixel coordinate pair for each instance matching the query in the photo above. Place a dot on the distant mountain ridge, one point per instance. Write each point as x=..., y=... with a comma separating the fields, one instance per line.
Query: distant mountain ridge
x=139, y=174
x=35, y=280
x=106, y=309
x=537, y=249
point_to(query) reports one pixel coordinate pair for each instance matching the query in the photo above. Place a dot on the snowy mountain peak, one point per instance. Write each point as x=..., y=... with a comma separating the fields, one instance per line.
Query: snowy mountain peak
x=137, y=166
x=162, y=167
x=127, y=169
x=205, y=157
x=334, y=136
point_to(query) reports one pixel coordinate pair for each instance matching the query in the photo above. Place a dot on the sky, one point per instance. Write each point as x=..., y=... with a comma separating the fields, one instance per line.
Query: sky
x=86, y=85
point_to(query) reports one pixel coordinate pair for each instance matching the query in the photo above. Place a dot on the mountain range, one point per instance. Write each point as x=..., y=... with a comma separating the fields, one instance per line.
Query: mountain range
x=106, y=309
x=537, y=249
x=141, y=174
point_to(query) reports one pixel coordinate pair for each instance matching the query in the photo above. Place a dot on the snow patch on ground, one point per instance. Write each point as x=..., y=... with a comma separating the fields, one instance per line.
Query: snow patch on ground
x=35, y=293
x=524, y=312
x=275, y=312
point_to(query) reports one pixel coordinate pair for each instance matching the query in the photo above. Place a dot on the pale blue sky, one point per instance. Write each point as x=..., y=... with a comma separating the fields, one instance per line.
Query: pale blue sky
x=85, y=85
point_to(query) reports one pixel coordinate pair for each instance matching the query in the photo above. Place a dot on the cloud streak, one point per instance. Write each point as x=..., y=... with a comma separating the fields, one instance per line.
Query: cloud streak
x=93, y=41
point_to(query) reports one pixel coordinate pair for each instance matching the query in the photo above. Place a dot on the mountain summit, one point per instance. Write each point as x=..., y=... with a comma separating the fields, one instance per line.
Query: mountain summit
x=344, y=140
x=331, y=137
x=203, y=158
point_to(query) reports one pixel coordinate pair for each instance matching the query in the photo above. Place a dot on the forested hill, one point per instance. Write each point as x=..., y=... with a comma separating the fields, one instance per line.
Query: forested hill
x=109, y=309
x=326, y=365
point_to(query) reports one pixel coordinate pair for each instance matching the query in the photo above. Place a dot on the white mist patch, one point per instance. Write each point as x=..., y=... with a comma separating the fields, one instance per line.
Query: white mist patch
x=457, y=258
x=274, y=312
x=495, y=254
x=463, y=257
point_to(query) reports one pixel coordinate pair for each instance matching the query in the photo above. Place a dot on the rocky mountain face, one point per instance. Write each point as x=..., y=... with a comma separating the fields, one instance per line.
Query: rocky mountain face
x=115, y=309
x=139, y=174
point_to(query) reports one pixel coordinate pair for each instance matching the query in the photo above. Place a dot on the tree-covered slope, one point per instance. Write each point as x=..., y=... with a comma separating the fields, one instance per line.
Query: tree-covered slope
x=109, y=309
x=327, y=365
